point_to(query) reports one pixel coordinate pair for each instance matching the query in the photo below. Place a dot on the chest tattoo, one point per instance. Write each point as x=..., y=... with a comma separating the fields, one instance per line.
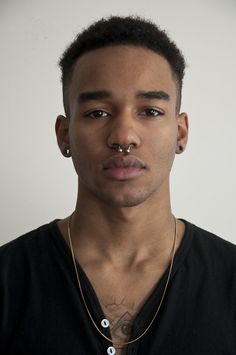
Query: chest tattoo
x=121, y=317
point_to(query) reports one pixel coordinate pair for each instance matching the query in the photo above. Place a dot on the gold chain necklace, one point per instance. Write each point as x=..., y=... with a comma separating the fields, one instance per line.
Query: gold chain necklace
x=84, y=300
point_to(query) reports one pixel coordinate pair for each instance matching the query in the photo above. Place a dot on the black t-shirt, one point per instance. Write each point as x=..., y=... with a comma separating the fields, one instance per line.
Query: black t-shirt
x=41, y=311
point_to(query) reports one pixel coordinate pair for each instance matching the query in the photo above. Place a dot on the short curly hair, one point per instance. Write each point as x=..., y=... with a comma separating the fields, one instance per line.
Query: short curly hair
x=116, y=30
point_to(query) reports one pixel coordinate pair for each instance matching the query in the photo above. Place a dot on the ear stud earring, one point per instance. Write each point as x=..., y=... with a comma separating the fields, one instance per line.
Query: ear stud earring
x=66, y=152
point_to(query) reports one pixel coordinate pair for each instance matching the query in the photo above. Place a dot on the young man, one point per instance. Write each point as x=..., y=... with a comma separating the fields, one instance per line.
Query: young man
x=120, y=275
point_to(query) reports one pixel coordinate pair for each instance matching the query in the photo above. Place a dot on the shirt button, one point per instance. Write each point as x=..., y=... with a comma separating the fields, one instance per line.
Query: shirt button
x=105, y=323
x=111, y=350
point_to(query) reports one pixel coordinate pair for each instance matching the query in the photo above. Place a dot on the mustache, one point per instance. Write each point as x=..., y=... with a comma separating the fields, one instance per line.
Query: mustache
x=118, y=161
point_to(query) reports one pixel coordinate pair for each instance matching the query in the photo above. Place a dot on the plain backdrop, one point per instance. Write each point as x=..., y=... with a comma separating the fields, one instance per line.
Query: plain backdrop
x=38, y=184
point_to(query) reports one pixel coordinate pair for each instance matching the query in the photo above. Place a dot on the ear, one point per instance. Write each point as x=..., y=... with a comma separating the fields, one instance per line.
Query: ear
x=182, y=122
x=62, y=133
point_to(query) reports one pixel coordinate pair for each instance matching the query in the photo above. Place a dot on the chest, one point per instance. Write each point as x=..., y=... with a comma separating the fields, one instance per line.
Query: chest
x=195, y=317
x=121, y=297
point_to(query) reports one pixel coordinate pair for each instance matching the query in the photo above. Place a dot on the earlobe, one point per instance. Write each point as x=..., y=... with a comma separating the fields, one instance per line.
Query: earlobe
x=62, y=133
x=182, y=138
x=179, y=149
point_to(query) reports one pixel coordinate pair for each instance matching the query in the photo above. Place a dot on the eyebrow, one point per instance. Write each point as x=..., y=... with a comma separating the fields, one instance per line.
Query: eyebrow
x=104, y=94
x=94, y=95
x=154, y=95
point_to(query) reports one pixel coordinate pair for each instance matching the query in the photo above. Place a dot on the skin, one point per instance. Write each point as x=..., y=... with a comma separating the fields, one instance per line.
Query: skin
x=123, y=230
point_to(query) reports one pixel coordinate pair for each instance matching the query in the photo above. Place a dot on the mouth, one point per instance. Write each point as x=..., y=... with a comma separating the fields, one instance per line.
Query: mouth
x=123, y=168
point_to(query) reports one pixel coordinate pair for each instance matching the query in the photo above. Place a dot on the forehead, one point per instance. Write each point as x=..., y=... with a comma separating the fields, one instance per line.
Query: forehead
x=122, y=68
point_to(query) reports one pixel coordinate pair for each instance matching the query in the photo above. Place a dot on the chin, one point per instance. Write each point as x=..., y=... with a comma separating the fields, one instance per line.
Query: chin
x=128, y=203
x=125, y=200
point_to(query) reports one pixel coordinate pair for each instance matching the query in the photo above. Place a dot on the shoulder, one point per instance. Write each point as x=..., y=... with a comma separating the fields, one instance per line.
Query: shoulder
x=209, y=248
x=210, y=239
x=27, y=246
x=26, y=260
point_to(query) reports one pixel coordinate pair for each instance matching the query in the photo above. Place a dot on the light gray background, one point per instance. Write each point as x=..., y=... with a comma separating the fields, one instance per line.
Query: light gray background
x=37, y=184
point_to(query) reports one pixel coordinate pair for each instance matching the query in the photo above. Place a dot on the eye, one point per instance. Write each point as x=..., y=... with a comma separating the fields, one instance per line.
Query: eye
x=97, y=114
x=151, y=112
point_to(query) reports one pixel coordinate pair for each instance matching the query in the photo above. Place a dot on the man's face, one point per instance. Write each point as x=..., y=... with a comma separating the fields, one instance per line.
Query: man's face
x=124, y=95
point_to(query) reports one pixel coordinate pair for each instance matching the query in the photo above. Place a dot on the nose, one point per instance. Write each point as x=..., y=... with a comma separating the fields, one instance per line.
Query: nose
x=124, y=132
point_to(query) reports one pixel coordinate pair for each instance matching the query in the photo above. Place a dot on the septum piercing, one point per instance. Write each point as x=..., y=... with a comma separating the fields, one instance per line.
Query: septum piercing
x=123, y=148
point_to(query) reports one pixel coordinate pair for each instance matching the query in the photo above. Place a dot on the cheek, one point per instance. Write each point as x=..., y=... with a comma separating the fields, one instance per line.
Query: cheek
x=164, y=146
x=84, y=139
x=79, y=142
x=84, y=155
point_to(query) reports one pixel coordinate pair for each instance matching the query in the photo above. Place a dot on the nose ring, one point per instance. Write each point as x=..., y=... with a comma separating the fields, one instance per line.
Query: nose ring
x=121, y=148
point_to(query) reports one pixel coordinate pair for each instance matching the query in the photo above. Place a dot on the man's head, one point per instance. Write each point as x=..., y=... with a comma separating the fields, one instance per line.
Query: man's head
x=115, y=31
x=122, y=81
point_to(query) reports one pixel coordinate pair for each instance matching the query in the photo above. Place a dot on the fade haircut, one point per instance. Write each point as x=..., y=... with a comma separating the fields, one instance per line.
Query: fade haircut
x=113, y=31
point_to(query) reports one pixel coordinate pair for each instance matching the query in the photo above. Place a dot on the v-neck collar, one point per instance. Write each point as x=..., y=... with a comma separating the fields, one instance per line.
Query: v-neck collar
x=147, y=311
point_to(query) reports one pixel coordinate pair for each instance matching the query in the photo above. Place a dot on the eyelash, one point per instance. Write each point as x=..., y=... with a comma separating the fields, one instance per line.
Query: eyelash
x=92, y=114
x=151, y=109
x=95, y=114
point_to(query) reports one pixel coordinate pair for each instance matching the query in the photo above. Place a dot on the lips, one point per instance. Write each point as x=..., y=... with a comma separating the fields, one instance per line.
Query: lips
x=123, y=168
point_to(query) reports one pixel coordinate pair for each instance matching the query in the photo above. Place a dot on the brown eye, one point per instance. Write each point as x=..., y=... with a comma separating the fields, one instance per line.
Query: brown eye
x=151, y=112
x=97, y=114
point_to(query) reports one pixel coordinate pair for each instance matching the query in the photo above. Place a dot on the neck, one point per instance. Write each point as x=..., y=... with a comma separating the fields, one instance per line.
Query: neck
x=122, y=234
